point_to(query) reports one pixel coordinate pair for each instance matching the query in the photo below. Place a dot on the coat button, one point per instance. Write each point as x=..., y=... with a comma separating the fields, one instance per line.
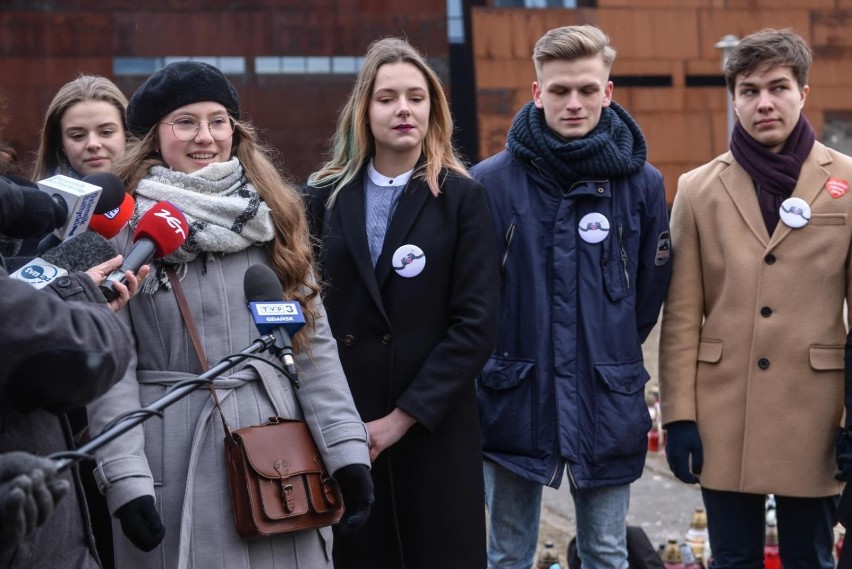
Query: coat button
x=770, y=259
x=766, y=312
x=600, y=190
x=386, y=339
x=348, y=340
x=763, y=363
x=64, y=282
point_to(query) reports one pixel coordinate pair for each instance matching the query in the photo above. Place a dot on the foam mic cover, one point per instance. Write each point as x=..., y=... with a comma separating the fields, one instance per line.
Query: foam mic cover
x=112, y=190
x=272, y=314
x=266, y=302
x=111, y=222
x=161, y=230
x=165, y=225
x=39, y=212
x=81, y=252
x=78, y=253
x=260, y=283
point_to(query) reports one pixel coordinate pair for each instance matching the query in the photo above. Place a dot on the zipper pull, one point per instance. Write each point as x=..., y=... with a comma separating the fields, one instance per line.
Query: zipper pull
x=623, y=254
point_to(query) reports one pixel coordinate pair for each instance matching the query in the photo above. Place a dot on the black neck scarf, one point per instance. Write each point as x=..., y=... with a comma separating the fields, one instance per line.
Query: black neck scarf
x=775, y=174
x=614, y=148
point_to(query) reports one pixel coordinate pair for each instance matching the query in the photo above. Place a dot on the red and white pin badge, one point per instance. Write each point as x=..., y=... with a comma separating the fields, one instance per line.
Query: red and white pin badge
x=837, y=187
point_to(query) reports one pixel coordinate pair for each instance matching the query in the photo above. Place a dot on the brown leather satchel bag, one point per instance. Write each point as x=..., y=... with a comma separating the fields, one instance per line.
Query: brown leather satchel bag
x=276, y=475
x=278, y=481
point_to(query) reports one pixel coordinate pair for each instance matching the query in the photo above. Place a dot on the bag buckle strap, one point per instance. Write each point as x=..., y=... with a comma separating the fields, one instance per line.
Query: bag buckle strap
x=288, y=498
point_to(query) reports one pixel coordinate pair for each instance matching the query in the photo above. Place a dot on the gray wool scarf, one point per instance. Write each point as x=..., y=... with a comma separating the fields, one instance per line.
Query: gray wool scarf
x=224, y=212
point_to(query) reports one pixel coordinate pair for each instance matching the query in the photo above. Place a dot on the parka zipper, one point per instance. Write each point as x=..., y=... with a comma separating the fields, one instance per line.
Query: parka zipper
x=623, y=254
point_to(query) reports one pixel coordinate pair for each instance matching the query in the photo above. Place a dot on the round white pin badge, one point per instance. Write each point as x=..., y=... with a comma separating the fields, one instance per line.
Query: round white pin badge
x=795, y=212
x=593, y=228
x=408, y=261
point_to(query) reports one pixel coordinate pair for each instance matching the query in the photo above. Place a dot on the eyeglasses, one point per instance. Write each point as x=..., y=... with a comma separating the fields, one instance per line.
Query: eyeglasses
x=186, y=128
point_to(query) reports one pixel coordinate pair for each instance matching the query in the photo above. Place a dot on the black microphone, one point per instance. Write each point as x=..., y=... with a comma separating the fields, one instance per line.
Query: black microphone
x=79, y=253
x=39, y=214
x=271, y=313
x=111, y=196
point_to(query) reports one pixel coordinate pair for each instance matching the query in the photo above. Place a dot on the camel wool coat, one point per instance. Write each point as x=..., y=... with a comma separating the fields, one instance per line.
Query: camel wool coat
x=753, y=333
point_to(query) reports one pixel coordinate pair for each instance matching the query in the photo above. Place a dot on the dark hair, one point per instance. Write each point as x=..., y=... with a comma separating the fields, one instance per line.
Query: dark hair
x=776, y=48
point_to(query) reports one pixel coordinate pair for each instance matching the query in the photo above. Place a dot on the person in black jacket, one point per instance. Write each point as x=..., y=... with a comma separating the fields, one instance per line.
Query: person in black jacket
x=411, y=267
x=60, y=347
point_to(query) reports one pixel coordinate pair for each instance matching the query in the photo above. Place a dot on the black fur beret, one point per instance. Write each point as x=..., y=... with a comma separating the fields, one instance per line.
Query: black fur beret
x=175, y=85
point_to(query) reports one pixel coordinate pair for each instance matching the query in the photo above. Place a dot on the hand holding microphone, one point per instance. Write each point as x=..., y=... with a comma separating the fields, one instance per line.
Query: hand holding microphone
x=161, y=230
x=125, y=291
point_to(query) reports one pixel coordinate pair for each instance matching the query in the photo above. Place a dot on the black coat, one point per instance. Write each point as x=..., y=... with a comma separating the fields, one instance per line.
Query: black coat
x=415, y=343
x=69, y=314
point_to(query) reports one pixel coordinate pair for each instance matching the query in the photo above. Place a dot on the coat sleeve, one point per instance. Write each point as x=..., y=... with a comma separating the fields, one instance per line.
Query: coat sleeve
x=452, y=365
x=683, y=314
x=327, y=402
x=121, y=467
x=71, y=316
x=655, y=265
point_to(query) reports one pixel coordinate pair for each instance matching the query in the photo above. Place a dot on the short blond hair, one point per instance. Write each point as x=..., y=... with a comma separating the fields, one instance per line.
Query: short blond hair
x=572, y=42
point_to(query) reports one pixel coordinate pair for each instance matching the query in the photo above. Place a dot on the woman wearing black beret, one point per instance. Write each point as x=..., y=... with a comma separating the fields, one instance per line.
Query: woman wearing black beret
x=167, y=487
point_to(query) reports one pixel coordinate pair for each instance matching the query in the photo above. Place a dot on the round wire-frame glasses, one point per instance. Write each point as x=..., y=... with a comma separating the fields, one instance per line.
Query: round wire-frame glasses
x=186, y=128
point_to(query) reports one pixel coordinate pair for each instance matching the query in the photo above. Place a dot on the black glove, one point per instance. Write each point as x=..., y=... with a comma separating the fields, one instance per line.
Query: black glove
x=683, y=441
x=356, y=485
x=141, y=523
x=28, y=494
x=41, y=213
x=843, y=454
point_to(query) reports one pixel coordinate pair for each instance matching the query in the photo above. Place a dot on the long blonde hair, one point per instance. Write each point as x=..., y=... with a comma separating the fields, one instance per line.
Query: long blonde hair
x=83, y=88
x=291, y=255
x=353, y=143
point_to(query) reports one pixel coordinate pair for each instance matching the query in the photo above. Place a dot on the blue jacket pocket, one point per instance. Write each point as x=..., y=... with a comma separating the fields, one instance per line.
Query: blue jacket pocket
x=504, y=373
x=621, y=420
x=507, y=395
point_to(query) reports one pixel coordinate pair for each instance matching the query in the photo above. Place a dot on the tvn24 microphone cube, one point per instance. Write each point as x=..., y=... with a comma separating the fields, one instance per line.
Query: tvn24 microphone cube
x=80, y=198
x=39, y=273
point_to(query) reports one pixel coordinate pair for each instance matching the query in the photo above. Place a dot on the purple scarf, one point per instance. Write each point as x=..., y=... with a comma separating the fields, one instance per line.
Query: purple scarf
x=774, y=174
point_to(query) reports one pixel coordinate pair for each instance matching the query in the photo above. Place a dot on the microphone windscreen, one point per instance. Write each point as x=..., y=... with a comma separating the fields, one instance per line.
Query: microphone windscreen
x=260, y=284
x=165, y=225
x=81, y=252
x=111, y=222
x=112, y=190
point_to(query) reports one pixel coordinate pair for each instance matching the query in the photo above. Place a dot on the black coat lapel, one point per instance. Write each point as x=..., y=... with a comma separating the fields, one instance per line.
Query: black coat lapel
x=411, y=201
x=353, y=228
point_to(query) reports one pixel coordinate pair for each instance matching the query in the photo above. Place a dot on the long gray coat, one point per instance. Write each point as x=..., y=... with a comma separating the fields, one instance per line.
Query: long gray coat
x=180, y=460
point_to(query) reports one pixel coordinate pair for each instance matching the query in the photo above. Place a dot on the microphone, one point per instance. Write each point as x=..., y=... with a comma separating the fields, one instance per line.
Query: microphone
x=79, y=253
x=111, y=196
x=111, y=222
x=271, y=313
x=38, y=214
x=112, y=190
x=160, y=232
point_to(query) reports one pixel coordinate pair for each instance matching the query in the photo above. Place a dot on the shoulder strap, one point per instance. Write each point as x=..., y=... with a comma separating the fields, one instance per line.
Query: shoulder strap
x=193, y=335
